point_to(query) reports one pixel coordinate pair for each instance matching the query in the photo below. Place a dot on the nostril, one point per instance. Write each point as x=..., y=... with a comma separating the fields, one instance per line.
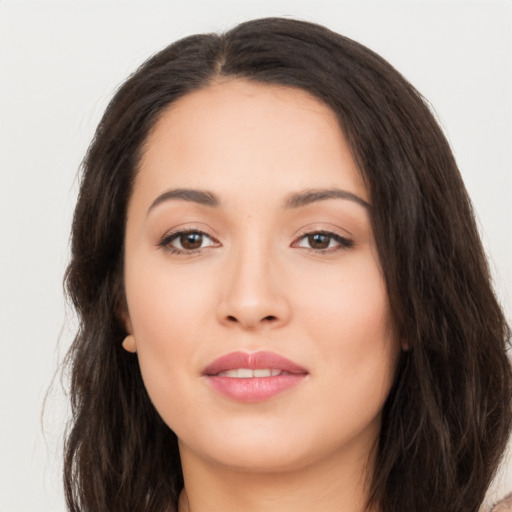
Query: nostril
x=268, y=318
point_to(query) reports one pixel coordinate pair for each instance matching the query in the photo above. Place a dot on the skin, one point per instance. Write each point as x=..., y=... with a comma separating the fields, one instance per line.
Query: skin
x=257, y=282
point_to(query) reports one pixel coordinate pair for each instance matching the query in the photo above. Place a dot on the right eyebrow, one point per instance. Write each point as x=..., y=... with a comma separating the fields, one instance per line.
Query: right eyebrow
x=202, y=197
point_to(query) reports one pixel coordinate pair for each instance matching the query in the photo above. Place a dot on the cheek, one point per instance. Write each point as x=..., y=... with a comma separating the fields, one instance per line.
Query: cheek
x=347, y=308
x=165, y=301
x=167, y=312
x=349, y=319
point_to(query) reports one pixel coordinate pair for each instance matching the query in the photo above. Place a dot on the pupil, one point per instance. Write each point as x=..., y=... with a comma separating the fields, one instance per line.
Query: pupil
x=191, y=240
x=319, y=241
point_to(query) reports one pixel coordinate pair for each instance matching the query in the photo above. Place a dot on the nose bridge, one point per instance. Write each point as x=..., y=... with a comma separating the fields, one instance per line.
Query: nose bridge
x=251, y=268
x=252, y=295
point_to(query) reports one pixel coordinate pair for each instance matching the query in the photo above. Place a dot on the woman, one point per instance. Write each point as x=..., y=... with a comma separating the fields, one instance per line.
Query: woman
x=284, y=301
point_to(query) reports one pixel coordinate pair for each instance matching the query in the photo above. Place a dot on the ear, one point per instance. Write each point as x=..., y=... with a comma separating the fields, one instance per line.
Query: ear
x=125, y=319
x=129, y=344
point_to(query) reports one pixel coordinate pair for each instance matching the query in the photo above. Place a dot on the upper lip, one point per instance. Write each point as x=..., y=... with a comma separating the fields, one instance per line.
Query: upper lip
x=253, y=361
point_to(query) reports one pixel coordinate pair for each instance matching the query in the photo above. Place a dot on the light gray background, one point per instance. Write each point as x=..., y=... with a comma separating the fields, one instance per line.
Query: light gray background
x=60, y=63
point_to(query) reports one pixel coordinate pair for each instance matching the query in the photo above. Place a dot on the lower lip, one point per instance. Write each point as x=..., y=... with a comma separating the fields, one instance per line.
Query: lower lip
x=256, y=389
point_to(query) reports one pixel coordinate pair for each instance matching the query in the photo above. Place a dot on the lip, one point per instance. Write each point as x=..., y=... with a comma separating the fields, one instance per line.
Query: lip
x=254, y=389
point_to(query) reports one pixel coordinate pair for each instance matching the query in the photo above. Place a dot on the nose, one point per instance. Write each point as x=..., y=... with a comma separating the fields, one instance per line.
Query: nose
x=253, y=294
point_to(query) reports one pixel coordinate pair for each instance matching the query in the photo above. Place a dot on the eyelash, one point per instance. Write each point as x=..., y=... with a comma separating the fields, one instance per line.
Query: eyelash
x=344, y=243
x=165, y=242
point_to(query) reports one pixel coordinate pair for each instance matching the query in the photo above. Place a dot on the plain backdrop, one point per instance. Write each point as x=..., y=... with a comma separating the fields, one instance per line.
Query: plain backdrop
x=60, y=62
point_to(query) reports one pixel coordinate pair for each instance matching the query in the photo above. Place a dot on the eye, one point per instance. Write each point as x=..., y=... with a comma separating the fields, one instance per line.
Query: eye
x=187, y=241
x=323, y=241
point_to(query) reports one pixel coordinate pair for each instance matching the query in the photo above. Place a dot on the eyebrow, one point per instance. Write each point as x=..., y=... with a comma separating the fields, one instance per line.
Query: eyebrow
x=187, y=194
x=309, y=196
x=295, y=200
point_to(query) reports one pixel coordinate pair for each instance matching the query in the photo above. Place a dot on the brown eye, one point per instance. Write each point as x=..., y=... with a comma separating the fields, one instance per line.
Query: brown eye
x=323, y=242
x=319, y=241
x=190, y=241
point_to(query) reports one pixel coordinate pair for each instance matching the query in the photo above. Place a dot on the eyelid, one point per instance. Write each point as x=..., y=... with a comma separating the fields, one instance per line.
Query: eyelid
x=323, y=227
x=165, y=240
x=345, y=242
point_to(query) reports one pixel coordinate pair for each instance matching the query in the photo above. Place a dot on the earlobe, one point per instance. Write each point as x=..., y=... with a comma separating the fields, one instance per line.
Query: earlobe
x=129, y=344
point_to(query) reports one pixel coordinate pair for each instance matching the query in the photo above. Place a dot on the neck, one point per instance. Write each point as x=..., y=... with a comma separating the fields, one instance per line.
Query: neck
x=325, y=486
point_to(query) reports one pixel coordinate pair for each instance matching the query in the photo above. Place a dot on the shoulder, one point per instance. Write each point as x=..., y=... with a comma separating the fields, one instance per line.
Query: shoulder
x=505, y=505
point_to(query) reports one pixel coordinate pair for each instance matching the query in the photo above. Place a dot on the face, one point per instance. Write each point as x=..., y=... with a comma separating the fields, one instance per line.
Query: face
x=255, y=297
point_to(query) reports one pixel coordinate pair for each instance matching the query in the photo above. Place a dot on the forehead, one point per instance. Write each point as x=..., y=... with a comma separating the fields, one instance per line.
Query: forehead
x=251, y=136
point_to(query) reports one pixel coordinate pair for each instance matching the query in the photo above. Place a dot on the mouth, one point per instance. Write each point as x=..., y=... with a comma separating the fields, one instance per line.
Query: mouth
x=247, y=373
x=253, y=377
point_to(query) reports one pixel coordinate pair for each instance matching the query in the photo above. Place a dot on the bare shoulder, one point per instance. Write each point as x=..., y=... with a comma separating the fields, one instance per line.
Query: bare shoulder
x=505, y=505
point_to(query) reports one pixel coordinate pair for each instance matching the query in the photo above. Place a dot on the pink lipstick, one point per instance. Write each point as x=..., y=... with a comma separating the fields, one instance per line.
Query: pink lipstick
x=253, y=377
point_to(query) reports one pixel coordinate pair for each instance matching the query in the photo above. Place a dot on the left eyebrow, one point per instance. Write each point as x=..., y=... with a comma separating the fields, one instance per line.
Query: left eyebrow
x=309, y=196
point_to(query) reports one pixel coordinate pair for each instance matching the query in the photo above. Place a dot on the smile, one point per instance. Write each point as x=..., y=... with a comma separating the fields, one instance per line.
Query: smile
x=253, y=377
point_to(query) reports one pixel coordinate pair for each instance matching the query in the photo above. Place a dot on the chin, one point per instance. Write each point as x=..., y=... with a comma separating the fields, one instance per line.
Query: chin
x=273, y=449
x=257, y=459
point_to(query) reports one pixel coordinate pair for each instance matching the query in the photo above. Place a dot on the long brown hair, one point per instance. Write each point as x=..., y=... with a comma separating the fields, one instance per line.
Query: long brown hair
x=448, y=416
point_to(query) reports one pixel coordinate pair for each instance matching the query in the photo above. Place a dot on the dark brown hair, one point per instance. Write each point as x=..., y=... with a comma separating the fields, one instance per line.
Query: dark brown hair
x=448, y=416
